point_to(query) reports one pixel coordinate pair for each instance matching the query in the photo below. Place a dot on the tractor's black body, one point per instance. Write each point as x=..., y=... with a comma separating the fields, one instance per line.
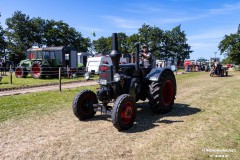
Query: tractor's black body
x=219, y=70
x=124, y=85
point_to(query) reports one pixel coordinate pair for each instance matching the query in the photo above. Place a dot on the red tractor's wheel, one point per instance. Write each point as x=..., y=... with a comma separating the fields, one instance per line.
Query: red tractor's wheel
x=124, y=112
x=21, y=72
x=83, y=104
x=162, y=94
x=37, y=70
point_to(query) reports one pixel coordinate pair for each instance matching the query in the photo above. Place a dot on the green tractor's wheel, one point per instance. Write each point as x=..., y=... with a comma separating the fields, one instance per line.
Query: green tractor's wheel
x=83, y=104
x=21, y=72
x=37, y=70
x=124, y=112
x=162, y=94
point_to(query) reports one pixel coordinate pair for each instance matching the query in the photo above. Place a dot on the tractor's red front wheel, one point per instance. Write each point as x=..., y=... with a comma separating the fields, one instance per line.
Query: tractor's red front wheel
x=124, y=112
x=21, y=72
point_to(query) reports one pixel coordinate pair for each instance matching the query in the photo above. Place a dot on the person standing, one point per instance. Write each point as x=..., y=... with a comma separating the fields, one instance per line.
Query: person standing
x=4, y=68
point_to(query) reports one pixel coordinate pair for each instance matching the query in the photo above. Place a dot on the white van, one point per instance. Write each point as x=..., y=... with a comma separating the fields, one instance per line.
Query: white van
x=93, y=63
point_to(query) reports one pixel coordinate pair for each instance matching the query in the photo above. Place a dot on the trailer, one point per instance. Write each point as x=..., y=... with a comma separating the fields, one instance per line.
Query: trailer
x=43, y=62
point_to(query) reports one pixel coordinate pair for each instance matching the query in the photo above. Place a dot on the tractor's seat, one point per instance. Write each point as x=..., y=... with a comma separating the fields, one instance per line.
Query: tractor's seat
x=127, y=69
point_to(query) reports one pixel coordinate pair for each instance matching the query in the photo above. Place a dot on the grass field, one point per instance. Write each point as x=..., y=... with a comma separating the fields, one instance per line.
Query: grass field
x=204, y=124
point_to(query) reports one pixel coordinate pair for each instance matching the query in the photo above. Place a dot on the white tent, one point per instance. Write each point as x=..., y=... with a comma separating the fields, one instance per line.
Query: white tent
x=82, y=57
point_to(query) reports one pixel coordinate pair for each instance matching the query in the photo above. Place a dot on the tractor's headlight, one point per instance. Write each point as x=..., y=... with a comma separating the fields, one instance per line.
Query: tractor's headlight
x=103, y=81
x=116, y=77
x=87, y=76
x=153, y=79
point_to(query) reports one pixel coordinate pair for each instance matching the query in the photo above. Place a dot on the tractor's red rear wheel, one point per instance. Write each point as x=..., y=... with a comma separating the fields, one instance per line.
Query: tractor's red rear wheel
x=36, y=70
x=162, y=94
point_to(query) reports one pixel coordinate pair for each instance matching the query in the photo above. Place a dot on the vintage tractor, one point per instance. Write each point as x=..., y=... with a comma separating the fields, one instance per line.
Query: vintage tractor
x=219, y=70
x=42, y=62
x=124, y=85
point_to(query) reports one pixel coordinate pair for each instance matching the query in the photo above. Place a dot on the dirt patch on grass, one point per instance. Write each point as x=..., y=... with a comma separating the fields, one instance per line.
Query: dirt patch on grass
x=205, y=116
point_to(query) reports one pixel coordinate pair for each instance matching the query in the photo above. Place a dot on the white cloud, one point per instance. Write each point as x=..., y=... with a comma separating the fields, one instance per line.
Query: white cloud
x=123, y=22
x=217, y=33
x=225, y=9
x=89, y=29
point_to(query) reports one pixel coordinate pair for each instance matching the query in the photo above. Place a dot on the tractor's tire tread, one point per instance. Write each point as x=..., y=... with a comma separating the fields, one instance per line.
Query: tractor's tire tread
x=77, y=110
x=116, y=120
x=156, y=95
x=24, y=72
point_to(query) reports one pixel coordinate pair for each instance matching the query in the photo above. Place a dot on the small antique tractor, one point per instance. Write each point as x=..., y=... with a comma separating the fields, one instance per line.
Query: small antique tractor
x=124, y=85
x=42, y=62
x=219, y=70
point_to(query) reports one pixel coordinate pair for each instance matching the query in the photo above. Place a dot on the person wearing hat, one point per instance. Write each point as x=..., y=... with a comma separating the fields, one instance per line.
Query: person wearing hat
x=148, y=59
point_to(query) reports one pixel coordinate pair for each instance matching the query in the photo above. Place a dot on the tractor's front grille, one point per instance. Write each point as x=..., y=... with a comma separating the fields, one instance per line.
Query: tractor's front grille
x=106, y=73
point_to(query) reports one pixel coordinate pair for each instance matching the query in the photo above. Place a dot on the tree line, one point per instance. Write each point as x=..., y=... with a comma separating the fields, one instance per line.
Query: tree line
x=23, y=32
x=230, y=46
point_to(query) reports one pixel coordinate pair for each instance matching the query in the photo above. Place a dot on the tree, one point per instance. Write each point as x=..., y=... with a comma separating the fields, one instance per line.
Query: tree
x=103, y=45
x=2, y=40
x=38, y=31
x=151, y=36
x=19, y=35
x=230, y=46
x=226, y=61
x=175, y=44
x=161, y=43
x=22, y=33
x=58, y=33
x=131, y=42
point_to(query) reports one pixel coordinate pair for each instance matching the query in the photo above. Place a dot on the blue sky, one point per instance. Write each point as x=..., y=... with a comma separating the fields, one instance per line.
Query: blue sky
x=205, y=22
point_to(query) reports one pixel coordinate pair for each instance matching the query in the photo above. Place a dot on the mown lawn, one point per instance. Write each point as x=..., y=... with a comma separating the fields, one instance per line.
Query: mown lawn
x=204, y=124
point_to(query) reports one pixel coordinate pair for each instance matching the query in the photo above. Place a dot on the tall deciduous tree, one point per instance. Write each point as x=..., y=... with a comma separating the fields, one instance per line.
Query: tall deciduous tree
x=103, y=45
x=151, y=36
x=18, y=33
x=230, y=45
x=2, y=40
x=58, y=33
x=22, y=33
x=179, y=45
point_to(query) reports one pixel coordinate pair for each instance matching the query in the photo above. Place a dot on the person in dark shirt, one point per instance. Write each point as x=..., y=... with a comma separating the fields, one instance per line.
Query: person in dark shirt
x=148, y=58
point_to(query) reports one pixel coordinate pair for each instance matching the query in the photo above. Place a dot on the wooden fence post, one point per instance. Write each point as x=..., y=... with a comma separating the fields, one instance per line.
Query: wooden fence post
x=59, y=78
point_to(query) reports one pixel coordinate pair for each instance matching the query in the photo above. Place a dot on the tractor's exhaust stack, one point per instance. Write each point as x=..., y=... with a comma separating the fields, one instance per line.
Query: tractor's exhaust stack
x=115, y=54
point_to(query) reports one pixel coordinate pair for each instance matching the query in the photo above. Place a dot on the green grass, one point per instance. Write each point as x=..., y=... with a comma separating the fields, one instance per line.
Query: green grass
x=21, y=106
x=29, y=81
x=181, y=77
x=18, y=106
x=215, y=126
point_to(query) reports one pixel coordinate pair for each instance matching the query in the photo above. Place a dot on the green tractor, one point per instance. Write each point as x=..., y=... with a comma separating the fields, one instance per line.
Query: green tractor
x=43, y=62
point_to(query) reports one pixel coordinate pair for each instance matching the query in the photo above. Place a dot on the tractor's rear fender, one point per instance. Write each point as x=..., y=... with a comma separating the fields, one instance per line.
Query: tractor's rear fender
x=156, y=73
